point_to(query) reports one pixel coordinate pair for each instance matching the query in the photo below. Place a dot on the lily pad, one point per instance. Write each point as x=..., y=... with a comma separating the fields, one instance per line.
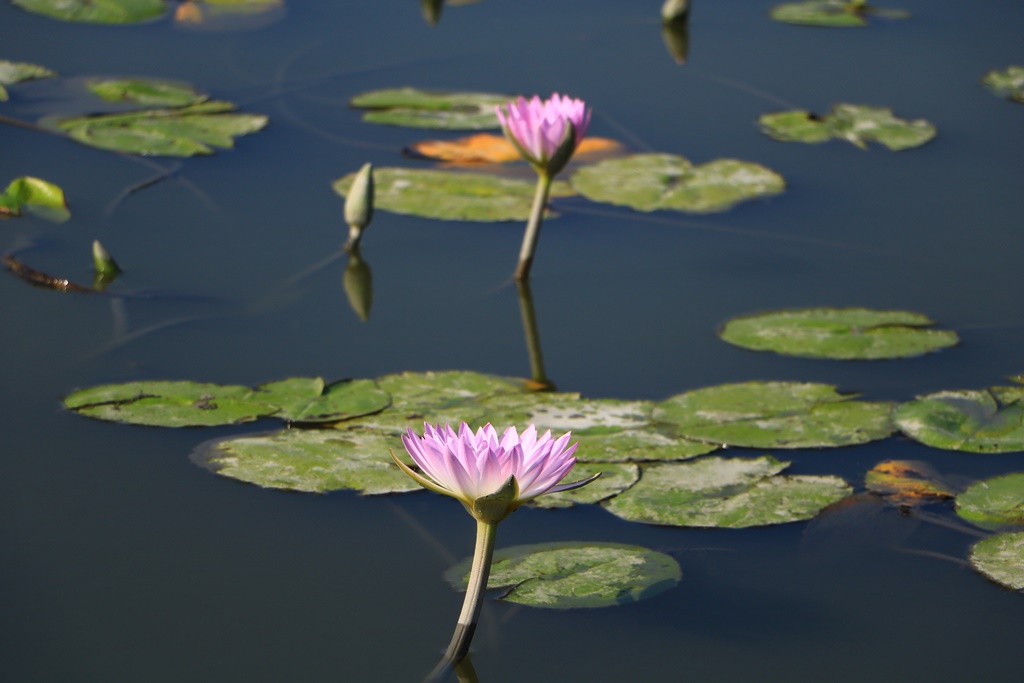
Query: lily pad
x=995, y=503
x=615, y=478
x=416, y=108
x=310, y=460
x=38, y=196
x=840, y=333
x=1008, y=83
x=179, y=131
x=651, y=182
x=452, y=195
x=856, y=123
x=96, y=11
x=832, y=13
x=1001, y=558
x=775, y=415
x=17, y=72
x=150, y=92
x=972, y=420
x=310, y=399
x=907, y=483
x=575, y=575
x=638, y=445
x=725, y=492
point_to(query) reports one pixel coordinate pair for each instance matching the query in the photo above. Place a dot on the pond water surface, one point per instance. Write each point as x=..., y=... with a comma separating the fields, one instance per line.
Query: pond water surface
x=121, y=560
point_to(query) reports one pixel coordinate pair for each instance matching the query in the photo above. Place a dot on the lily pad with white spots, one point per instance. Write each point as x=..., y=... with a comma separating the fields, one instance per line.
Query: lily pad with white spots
x=415, y=108
x=1001, y=559
x=310, y=399
x=576, y=575
x=971, y=420
x=652, y=182
x=12, y=73
x=452, y=195
x=995, y=504
x=839, y=333
x=638, y=445
x=96, y=11
x=857, y=124
x=832, y=13
x=775, y=415
x=615, y=478
x=150, y=92
x=725, y=492
x=310, y=460
x=1007, y=83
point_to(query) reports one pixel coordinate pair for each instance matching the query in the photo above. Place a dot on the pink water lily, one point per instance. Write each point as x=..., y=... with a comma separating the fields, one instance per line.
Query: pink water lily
x=538, y=127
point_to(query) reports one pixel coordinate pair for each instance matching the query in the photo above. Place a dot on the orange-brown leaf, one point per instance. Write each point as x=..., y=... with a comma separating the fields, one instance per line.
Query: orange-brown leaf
x=487, y=148
x=907, y=482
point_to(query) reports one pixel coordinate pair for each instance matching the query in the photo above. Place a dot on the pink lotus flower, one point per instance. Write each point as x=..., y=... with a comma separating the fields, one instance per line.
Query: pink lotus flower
x=538, y=128
x=478, y=468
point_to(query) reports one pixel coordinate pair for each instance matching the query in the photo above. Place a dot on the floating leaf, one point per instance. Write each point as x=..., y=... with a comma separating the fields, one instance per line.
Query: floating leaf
x=775, y=415
x=96, y=11
x=638, y=445
x=416, y=108
x=994, y=503
x=840, y=333
x=725, y=492
x=1001, y=558
x=179, y=132
x=450, y=195
x=310, y=399
x=615, y=478
x=226, y=15
x=310, y=460
x=1008, y=83
x=150, y=92
x=832, y=13
x=17, y=72
x=907, y=483
x=856, y=123
x=574, y=575
x=649, y=182
x=38, y=196
x=977, y=421
x=487, y=148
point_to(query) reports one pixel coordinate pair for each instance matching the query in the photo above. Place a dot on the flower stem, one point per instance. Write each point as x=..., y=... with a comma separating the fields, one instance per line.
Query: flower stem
x=540, y=199
x=459, y=647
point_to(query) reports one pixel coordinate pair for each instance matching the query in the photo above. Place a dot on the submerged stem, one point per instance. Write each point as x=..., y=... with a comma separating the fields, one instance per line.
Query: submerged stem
x=540, y=199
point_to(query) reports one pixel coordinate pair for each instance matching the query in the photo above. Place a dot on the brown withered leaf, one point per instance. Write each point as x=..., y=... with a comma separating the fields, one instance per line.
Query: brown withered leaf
x=487, y=148
x=907, y=483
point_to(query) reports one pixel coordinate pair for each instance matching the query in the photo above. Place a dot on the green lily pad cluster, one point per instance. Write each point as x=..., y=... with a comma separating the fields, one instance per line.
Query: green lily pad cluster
x=973, y=420
x=856, y=123
x=997, y=504
x=12, y=73
x=1007, y=83
x=832, y=13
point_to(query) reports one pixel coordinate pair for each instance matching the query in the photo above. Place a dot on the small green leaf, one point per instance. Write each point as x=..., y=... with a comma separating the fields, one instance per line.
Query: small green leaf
x=651, y=182
x=976, y=421
x=38, y=196
x=839, y=333
x=150, y=92
x=615, y=478
x=1008, y=83
x=17, y=72
x=831, y=13
x=416, y=108
x=775, y=415
x=1001, y=559
x=310, y=399
x=855, y=123
x=995, y=503
x=575, y=575
x=96, y=11
x=452, y=195
x=311, y=460
x=725, y=492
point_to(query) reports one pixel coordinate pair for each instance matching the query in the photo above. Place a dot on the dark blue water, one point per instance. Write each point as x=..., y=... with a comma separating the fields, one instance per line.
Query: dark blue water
x=122, y=561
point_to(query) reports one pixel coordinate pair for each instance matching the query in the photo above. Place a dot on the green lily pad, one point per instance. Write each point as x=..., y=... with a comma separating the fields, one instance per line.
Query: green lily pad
x=178, y=132
x=452, y=195
x=96, y=11
x=651, y=182
x=831, y=13
x=1001, y=558
x=775, y=415
x=35, y=195
x=575, y=575
x=995, y=503
x=311, y=460
x=840, y=333
x=638, y=445
x=150, y=92
x=857, y=124
x=1008, y=83
x=419, y=391
x=416, y=108
x=973, y=420
x=12, y=73
x=169, y=404
x=310, y=399
x=615, y=478
x=725, y=492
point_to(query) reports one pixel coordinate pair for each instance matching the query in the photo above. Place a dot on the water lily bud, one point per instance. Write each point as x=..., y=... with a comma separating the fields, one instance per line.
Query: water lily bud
x=358, y=283
x=537, y=128
x=103, y=262
x=359, y=203
x=674, y=9
x=676, y=35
